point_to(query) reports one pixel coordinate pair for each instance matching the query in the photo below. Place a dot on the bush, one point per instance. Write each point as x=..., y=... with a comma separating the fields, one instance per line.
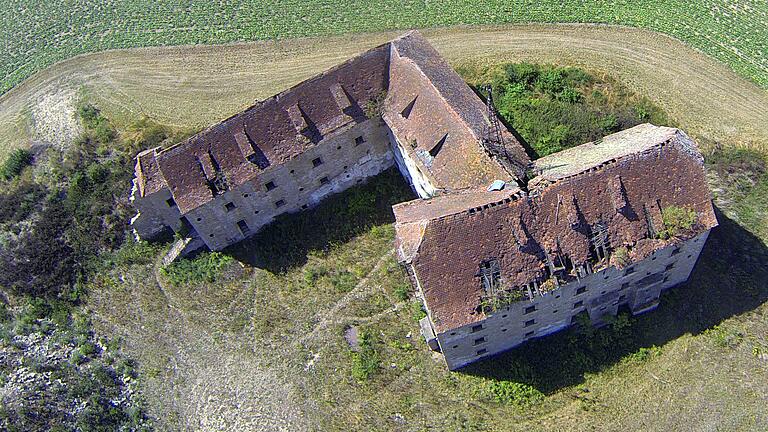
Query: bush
x=676, y=221
x=206, y=267
x=15, y=164
x=644, y=354
x=515, y=393
x=402, y=292
x=365, y=361
x=417, y=310
x=96, y=124
x=620, y=256
x=554, y=108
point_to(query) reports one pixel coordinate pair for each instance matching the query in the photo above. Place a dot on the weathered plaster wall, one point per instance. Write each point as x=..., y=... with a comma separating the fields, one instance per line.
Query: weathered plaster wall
x=410, y=170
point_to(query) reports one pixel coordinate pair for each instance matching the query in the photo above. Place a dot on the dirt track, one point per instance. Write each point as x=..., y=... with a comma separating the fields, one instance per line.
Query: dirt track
x=195, y=86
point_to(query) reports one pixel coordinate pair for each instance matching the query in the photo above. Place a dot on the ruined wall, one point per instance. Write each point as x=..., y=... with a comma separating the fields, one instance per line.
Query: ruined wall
x=295, y=185
x=155, y=213
x=601, y=293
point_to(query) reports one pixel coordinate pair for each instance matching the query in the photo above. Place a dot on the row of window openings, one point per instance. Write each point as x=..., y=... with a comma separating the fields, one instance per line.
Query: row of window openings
x=579, y=290
x=631, y=270
x=279, y=203
x=485, y=350
x=531, y=309
x=270, y=185
x=528, y=323
x=583, y=289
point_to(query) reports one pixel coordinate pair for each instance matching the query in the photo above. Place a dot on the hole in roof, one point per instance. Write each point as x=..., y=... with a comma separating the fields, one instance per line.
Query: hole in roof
x=436, y=149
x=406, y=112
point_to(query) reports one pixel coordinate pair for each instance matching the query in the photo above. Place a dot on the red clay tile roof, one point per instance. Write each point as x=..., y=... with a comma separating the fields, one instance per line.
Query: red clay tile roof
x=148, y=176
x=439, y=120
x=556, y=217
x=275, y=130
x=448, y=123
x=413, y=216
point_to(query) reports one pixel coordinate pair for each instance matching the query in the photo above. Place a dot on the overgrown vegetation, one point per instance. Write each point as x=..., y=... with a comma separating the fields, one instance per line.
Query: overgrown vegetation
x=742, y=185
x=676, y=221
x=515, y=393
x=206, y=267
x=365, y=361
x=16, y=162
x=288, y=240
x=62, y=225
x=554, y=108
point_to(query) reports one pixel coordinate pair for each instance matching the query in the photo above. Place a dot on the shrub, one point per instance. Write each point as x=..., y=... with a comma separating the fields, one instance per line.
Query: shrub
x=515, y=393
x=365, y=361
x=96, y=124
x=373, y=107
x=402, y=292
x=676, y=221
x=554, y=108
x=645, y=354
x=417, y=311
x=15, y=164
x=361, y=203
x=206, y=267
x=620, y=256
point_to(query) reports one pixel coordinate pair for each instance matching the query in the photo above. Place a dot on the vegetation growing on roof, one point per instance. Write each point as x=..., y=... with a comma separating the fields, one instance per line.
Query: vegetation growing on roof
x=676, y=221
x=373, y=108
x=620, y=256
x=554, y=108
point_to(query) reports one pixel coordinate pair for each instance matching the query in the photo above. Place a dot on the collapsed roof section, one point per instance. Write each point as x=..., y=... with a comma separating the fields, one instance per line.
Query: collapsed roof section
x=427, y=104
x=615, y=189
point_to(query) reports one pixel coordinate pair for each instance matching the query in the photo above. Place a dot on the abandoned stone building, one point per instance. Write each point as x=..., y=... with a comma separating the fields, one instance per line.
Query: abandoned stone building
x=499, y=248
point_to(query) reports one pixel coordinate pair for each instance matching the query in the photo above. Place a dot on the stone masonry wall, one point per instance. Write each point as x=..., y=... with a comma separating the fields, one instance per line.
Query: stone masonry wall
x=601, y=293
x=410, y=170
x=155, y=213
x=295, y=185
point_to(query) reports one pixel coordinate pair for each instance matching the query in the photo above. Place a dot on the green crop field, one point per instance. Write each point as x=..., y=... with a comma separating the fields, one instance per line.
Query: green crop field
x=36, y=34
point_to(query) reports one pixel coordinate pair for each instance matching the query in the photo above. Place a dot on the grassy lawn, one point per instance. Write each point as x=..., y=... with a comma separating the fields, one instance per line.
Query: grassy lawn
x=732, y=32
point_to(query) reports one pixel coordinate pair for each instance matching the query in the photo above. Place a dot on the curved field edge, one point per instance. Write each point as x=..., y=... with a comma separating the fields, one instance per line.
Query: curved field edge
x=732, y=32
x=197, y=86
